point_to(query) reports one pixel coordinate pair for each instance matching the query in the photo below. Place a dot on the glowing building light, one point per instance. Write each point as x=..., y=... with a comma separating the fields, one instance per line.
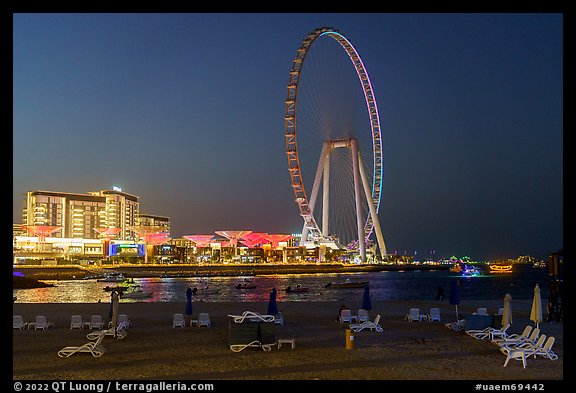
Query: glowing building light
x=200, y=240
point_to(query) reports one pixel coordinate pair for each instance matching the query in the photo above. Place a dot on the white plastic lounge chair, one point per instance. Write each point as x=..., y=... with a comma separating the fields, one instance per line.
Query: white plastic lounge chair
x=178, y=320
x=434, y=314
x=204, y=319
x=119, y=333
x=506, y=349
x=413, y=315
x=252, y=316
x=546, y=350
x=481, y=311
x=515, y=337
x=345, y=316
x=489, y=333
x=257, y=317
x=362, y=315
x=40, y=323
x=18, y=322
x=93, y=347
x=279, y=318
x=372, y=325
x=256, y=343
x=122, y=322
x=96, y=322
x=523, y=351
x=501, y=333
x=76, y=322
x=456, y=326
x=530, y=340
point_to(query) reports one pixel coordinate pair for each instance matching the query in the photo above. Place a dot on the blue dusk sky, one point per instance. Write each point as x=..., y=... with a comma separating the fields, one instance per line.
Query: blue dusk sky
x=186, y=111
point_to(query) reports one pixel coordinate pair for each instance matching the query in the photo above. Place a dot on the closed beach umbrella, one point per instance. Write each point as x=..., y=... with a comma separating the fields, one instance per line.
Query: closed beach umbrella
x=272, y=306
x=366, y=302
x=507, y=315
x=188, y=310
x=455, y=295
x=536, y=312
x=113, y=314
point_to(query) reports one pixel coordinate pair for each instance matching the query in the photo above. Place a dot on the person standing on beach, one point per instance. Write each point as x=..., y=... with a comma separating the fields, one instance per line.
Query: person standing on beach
x=440, y=295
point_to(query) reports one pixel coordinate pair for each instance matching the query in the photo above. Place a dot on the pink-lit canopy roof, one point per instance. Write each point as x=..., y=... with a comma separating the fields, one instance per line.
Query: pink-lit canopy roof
x=42, y=231
x=277, y=238
x=254, y=238
x=156, y=239
x=149, y=232
x=200, y=240
x=233, y=236
x=108, y=232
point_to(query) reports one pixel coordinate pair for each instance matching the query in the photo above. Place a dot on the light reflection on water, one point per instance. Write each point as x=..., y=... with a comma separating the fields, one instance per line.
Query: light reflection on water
x=388, y=285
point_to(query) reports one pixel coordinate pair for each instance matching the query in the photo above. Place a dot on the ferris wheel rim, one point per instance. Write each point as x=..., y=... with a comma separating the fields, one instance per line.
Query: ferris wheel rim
x=294, y=169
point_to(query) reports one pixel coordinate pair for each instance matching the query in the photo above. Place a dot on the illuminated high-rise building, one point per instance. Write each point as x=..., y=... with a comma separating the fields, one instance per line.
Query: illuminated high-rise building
x=122, y=211
x=80, y=215
x=154, y=220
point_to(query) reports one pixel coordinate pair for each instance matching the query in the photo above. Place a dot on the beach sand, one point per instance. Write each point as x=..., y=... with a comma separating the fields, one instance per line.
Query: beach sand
x=154, y=350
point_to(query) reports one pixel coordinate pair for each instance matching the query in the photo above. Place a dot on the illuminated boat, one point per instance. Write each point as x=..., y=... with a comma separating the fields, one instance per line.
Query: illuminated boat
x=456, y=268
x=471, y=271
x=500, y=268
x=112, y=277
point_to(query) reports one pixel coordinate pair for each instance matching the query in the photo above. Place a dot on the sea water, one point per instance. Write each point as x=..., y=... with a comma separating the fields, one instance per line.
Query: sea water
x=384, y=285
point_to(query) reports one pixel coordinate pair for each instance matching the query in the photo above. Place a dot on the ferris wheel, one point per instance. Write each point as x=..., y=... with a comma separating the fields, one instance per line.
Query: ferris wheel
x=340, y=136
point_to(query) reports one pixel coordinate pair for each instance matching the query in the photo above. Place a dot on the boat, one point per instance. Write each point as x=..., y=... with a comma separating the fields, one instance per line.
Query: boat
x=245, y=286
x=456, y=268
x=471, y=271
x=500, y=268
x=347, y=284
x=112, y=277
x=205, y=291
x=136, y=294
x=118, y=288
x=297, y=289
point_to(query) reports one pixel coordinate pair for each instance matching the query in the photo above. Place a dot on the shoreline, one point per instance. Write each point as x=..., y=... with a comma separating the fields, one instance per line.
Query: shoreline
x=154, y=350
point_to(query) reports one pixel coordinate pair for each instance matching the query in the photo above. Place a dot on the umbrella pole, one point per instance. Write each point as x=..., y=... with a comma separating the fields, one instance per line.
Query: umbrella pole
x=457, y=319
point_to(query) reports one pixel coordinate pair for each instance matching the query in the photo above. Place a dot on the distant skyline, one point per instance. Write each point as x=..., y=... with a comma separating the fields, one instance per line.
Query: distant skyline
x=186, y=111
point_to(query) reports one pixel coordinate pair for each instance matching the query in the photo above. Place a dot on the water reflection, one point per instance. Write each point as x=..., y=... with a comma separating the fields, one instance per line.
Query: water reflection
x=408, y=285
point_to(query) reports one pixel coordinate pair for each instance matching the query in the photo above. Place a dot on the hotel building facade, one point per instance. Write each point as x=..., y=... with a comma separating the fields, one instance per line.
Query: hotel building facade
x=64, y=225
x=80, y=215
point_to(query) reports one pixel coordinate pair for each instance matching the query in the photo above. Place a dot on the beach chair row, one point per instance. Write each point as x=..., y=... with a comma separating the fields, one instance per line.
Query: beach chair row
x=414, y=314
x=178, y=320
x=529, y=343
x=346, y=316
x=76, y=322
